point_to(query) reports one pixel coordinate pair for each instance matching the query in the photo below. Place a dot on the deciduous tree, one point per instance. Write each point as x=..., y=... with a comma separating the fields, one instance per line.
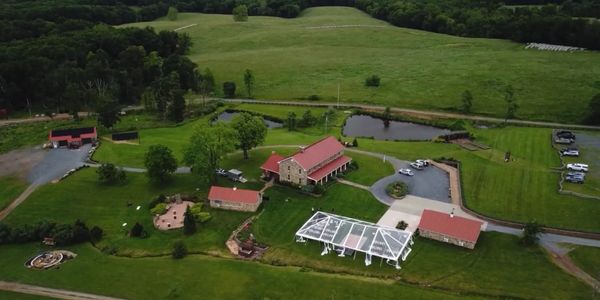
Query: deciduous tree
x=172, y=13
x=251, y=131
x=240, y=13
x=108, y=112
x=229, y=89
x=249, y=82
x=208, y=145
x=160, y=163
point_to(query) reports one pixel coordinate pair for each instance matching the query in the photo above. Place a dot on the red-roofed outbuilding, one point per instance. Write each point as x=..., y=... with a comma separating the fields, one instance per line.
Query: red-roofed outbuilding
x=313, y=164
x=234, y=198
x=449, y=228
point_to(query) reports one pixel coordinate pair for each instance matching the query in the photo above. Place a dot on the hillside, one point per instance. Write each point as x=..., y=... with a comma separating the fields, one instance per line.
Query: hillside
x=295, y=58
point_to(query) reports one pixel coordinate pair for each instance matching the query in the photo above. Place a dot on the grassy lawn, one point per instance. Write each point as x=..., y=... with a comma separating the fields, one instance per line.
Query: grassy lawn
x=81, y=197
x=370, y=169
x=499, y=266
x=11, y=188
x=316, y=60
x=213, y=278
x=588, y=259
x=18, y=296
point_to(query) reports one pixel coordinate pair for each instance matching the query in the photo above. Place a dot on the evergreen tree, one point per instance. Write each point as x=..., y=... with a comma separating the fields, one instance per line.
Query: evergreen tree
x=189, y=222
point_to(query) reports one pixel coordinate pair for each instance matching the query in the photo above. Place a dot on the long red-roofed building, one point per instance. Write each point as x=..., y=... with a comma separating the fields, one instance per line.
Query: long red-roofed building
x=234, y=198
x=313, y=164
x=449, y=228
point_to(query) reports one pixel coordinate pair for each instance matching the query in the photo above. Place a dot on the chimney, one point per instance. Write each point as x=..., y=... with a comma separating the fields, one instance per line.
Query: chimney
x=452, y=213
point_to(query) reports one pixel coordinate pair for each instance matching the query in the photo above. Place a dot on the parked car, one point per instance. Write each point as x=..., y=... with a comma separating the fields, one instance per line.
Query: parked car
x=565, y=134
x=423, y=162
x=569, y=152
x=416, y=166
x=577, y=167
x=564, y=141
x=573, y=179
x=580, y=174
x=221, y=172
x=407, y=172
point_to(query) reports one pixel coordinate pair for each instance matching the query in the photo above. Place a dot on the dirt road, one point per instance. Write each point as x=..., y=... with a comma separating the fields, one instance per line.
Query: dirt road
x=49, y=292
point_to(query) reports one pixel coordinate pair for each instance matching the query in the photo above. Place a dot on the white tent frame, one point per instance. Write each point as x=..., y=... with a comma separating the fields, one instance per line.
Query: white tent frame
x=324, y=227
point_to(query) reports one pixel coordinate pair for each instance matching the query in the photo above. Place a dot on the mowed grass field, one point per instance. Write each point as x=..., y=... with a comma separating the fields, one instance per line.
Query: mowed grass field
x=199, y=276
x=588, y=259
x=10, y=188
x=295, y=58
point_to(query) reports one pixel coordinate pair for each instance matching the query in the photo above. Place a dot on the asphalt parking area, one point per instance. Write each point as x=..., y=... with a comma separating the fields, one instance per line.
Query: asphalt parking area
x=56, y=163
x=431, y=183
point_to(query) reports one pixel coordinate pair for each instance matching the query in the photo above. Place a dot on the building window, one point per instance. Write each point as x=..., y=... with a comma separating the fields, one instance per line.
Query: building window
x=300, y=171
x=288, y=177
x=288, y=168
x=300, y=181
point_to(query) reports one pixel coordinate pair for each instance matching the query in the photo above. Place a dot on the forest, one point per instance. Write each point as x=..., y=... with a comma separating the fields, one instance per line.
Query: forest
x=63, y=55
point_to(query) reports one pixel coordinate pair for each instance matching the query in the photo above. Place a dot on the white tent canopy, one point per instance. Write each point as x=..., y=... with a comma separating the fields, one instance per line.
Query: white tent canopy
x=348, y=233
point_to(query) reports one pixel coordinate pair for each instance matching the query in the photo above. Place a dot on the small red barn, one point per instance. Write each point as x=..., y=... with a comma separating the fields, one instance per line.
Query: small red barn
x=234, y=198
x=72, y=136
x=449, y=228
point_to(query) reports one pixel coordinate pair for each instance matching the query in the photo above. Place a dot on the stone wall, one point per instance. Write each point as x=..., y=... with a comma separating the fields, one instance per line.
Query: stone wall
x=235, y=205
x=446, y=239
x=291, y=171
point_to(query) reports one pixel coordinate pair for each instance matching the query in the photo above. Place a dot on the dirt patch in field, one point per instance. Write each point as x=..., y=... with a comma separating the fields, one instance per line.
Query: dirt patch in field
x=121, y=142
x=20, y=162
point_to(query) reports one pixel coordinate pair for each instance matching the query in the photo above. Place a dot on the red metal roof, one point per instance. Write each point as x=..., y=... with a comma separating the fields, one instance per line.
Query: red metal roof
x=272, y=163
x=317, y=152
x=233, y=195
x=328, y=168
x=457, y=227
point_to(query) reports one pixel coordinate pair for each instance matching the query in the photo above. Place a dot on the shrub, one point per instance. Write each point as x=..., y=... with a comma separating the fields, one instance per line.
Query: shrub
x=189, y=223
x=353, y=165
x=229, y=89
x=201, y=216
x=160, y=199
x=109, y=174
x=159, y=209
x=319, y=189
x=314, y=97
x=401, y=225
x=397, y=189
x=179, y=250
x=372, y=81
x=531, y=233
x=354, y=142
x=137, y=230
x=96, y=233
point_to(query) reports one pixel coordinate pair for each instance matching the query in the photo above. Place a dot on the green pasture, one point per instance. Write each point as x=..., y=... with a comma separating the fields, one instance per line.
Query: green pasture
x=10, y=188
x=294, y=58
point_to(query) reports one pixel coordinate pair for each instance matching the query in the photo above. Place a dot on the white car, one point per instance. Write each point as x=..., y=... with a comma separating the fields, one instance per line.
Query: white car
x=577, y=167
x=417, y=166
x=422, y=162
x=407, y=172
x=569, y=152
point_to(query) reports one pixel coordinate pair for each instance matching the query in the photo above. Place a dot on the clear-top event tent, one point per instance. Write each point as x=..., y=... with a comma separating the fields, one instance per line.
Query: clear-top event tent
x=341, y=234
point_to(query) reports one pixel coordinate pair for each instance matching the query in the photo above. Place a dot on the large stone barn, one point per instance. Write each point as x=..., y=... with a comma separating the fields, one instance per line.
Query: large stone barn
x=234, y=198
x=313, y=164
x=72, y=136
x=449, y=228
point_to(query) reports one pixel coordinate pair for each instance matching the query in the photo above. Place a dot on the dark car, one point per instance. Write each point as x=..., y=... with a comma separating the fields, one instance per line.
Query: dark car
x=564, y=134
x=574, y=179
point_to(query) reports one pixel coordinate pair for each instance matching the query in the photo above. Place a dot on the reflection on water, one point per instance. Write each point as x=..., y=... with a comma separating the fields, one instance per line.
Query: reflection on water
x=368, y=126
x=227, y=116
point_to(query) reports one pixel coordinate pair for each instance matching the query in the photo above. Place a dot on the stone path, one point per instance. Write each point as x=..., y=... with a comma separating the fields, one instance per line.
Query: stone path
x=7, y=210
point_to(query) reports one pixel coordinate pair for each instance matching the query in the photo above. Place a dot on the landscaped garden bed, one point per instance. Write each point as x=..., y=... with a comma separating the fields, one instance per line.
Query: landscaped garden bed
x=397, y=189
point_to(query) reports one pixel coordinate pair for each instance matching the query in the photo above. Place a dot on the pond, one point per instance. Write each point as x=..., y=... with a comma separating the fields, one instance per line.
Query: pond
x=368, y=126
x=228, y=116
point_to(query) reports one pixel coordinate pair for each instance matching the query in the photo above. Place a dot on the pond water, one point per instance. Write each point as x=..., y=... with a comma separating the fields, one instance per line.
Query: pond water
x=228, y=116
x=368, y=126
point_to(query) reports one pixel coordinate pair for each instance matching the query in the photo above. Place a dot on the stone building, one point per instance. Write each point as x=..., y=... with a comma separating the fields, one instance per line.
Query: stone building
x=234, y=198
x=313, y=164
x=449, y=228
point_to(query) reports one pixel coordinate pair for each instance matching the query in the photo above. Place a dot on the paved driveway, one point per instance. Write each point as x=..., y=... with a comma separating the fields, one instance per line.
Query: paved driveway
x=431, y=183
x=56, y=163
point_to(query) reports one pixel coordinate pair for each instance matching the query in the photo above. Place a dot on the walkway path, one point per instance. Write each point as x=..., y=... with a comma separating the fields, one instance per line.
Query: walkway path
x=417, y=112
x=354, y=184
x=7, y=210
x=49, y=292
